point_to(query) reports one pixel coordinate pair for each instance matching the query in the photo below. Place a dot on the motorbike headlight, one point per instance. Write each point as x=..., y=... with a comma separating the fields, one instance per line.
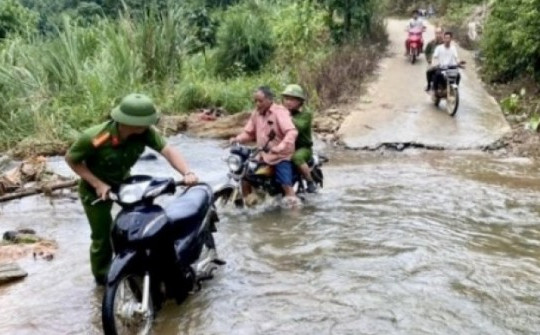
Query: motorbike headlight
x=131, y=193
x=235, y=163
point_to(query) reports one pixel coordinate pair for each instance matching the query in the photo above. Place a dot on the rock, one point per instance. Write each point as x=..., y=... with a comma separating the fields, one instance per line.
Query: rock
x=11, y=272
x=31, y=147
x=4, y=161
x=221, y=128
x=323, y=124
x=21, y=236
x=172, y=124
x=24, y=242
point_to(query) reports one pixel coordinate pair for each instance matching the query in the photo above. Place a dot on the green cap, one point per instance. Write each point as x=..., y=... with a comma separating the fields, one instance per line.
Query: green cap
x=135, y=110
x=294, y=91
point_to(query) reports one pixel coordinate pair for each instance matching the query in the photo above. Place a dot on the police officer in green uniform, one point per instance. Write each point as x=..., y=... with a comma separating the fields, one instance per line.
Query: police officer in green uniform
x=293, y=99
x=103, y=156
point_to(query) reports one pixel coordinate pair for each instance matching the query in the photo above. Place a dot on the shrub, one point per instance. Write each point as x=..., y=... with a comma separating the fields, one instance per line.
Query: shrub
x=16, y=19
x=511, y=45
x=245, y=43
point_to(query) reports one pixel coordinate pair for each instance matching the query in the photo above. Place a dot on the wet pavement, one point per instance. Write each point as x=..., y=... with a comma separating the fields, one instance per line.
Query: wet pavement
x=411, y=243
x=396, y=110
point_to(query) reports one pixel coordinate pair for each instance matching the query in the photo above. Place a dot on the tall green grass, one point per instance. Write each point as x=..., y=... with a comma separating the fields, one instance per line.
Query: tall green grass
x=53, y=87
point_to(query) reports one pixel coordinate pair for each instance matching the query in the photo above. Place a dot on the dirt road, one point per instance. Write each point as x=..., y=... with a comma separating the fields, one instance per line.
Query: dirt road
x=396, y=110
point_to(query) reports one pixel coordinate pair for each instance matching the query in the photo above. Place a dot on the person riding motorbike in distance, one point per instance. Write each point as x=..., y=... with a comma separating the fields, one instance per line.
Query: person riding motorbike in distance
x=267, y=117
x=294, y=99
x=430, y=49
x=444, y=56
x=414, y=22
x=103, y=156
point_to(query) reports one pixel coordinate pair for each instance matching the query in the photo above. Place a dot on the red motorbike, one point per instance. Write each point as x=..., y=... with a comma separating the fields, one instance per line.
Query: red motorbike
x=415, y=44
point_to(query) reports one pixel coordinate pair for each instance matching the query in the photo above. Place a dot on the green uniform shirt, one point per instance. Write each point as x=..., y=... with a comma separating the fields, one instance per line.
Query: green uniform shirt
x=109, y=158
x=430, y=49
x=302, y=122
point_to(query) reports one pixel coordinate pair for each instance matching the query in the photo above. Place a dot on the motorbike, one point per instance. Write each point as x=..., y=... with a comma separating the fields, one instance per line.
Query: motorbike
x=448, y=88
x=243, y=164
x=161, y=252
x=416, y=43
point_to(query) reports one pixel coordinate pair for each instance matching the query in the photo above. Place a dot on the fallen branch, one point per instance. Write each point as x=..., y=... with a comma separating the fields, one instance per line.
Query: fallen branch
x=37, y=190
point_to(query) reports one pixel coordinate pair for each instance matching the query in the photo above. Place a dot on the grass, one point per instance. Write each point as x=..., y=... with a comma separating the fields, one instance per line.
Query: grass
x=51, y=88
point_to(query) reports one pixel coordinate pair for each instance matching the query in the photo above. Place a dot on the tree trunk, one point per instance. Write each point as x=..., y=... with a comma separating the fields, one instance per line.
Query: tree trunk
x=37, y=190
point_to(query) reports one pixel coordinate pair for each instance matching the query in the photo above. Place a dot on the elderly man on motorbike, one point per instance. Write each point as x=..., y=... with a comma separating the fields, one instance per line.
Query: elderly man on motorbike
x=445, y=55
x=271, y=118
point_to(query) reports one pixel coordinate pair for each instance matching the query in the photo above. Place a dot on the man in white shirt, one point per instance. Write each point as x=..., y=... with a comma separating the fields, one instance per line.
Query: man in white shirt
x=444, y=56
x=415, y=22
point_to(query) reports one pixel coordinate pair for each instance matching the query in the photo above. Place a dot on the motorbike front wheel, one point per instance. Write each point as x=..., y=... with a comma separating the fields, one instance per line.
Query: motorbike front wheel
x=452, y=100
x=435, y=98
x=122, y=309
x=414, y=54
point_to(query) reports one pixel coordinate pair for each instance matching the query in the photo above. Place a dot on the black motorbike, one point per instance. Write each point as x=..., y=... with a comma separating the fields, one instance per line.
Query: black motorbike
x=243, y=164
x=160, y=252
x=448, y=88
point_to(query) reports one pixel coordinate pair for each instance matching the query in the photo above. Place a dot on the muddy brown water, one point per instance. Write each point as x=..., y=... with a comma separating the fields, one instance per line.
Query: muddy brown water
x=413, y=243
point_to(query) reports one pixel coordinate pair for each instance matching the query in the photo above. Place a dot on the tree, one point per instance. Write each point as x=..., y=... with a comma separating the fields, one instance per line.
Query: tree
x=511, y=45
x=350, y=19
x=16, y=19
x=201, y=30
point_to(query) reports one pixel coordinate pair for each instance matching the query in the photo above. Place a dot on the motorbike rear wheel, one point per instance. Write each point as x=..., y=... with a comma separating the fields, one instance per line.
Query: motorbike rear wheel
x=452, y=100
x=121, y=303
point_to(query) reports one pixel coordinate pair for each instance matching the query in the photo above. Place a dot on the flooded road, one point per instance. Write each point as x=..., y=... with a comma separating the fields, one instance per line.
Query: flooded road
x=417, y=243
x=396, y=110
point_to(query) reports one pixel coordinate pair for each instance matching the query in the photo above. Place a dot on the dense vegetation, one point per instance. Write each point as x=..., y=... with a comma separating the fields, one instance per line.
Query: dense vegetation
x=65, y=63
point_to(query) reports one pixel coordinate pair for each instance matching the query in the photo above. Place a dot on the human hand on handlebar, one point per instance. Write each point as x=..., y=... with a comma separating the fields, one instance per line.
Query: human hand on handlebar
x=190, y=178
x=102, y=191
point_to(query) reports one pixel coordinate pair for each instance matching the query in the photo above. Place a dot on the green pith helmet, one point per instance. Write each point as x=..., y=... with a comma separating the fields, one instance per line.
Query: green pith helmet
x=135, y=110
x=294, y=91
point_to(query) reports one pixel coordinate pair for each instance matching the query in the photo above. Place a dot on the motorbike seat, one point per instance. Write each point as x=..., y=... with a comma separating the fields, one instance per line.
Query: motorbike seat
x=186, y=213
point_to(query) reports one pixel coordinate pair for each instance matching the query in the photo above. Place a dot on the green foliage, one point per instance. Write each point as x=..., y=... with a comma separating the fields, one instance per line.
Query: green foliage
x=301, y=28
x=511, y=104
x=350, y=20
x=244, y=43
x=511, y=46
x=16, y=19
x=201, y=33
x=90, y=55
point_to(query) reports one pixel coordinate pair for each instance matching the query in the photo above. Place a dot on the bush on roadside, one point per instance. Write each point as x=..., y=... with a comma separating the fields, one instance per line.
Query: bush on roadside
x=510, y=45
x=244, y=43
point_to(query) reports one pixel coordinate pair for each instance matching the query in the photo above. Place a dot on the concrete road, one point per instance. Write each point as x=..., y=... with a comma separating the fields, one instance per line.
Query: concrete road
x=397, y=110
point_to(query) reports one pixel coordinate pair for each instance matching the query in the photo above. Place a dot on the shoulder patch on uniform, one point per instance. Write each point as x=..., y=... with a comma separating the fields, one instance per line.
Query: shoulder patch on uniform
x=100, y=139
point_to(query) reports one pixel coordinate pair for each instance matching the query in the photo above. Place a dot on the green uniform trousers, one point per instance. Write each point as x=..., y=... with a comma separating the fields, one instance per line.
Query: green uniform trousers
x=301, y=156
x=100, y=219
